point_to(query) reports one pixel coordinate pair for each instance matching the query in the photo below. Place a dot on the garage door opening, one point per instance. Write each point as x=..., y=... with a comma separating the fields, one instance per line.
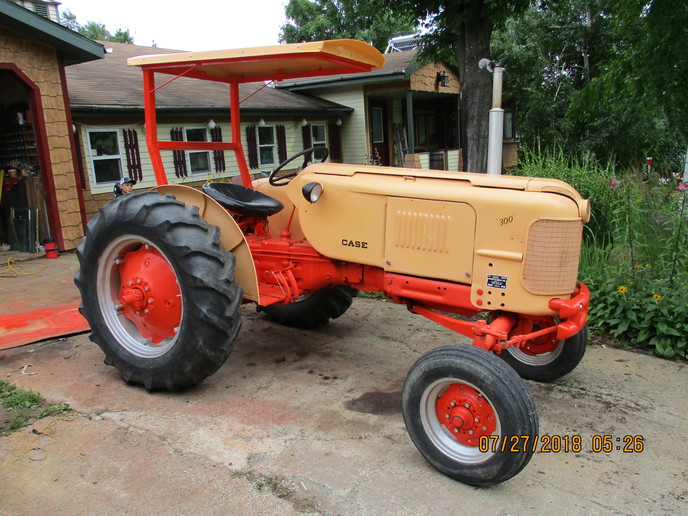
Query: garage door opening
x=24, y=221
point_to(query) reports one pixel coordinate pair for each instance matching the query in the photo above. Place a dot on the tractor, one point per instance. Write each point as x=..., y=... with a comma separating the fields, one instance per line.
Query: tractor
x=495, y=258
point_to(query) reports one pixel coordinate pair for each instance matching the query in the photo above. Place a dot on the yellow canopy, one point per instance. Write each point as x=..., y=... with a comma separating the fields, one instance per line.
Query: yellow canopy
x=278, y=62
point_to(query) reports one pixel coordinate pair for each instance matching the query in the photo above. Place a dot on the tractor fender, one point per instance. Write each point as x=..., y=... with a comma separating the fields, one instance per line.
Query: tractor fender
x=230, y=234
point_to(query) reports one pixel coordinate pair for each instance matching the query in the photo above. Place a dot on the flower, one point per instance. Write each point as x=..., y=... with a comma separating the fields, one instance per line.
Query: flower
x=613, y=183
x=622, y=290
x=630, y=282
x=657, y=297
x=681, y=187
x=648, y=266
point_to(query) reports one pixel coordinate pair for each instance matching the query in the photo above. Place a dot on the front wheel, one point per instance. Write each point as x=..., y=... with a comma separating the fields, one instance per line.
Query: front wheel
x=158, y=291
x=460, y=404
x=546, y=359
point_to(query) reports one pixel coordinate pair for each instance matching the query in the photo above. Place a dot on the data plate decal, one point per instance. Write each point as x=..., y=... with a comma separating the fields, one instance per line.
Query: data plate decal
x=494, y=281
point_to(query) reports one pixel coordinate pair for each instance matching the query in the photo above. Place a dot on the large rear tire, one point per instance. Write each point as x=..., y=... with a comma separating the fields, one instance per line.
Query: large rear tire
x=460, y=404
x=158, y=291
x=313, y=310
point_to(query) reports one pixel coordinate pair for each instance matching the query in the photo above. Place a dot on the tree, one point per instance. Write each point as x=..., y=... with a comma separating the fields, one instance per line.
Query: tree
x=466, y=27
x=95, y=30
x=600, y=77
x=314, y=20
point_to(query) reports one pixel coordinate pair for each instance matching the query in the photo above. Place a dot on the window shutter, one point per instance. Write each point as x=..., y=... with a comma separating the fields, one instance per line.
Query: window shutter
x=179, y=156
x=252, y=146
x=306, y=133
x=281, y=143
x=131, y=148
x=335, y=136
x=218, y=155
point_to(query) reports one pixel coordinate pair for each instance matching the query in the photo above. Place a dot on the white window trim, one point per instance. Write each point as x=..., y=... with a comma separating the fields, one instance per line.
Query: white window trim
x=188, y=153
x=259, y=146
x=92, y=159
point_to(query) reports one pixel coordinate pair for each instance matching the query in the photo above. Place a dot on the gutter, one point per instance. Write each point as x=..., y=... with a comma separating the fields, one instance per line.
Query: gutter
x=329, y=81
x=92, y=111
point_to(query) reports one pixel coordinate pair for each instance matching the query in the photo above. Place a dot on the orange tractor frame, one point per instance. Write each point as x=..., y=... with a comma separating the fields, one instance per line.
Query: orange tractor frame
x=163, y=272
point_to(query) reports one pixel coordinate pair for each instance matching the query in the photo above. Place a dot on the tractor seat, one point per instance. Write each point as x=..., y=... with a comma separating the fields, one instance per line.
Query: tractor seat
x=242, y=200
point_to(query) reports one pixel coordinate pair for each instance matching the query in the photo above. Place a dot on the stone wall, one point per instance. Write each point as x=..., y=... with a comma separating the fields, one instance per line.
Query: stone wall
x=40, y=63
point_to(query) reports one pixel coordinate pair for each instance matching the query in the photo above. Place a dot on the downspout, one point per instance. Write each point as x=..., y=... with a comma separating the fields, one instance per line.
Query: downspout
x=495, y=140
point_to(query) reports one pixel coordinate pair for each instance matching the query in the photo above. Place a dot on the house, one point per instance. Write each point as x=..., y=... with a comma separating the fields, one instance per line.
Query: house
x=107, y=109
x=38, y=194
x=402, y=115
x=360, y=117
x=406, y=114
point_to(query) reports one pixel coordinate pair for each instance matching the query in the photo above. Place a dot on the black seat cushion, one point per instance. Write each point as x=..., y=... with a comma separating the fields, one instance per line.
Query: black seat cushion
x=242, y=200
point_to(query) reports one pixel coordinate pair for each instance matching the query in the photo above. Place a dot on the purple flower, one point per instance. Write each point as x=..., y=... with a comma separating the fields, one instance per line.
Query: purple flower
x=613, y=183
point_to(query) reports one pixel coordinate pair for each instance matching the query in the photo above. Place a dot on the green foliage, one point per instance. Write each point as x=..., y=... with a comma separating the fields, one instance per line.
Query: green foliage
x=14, y=398
x=313, y=20
x=590, y=179
x=640, y=306
x=20, y=406
x=95, y=30
x=602, y=78
x=633, y=258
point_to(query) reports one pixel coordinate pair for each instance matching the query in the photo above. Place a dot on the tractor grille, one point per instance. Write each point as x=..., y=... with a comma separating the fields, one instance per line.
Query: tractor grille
x=552, y=255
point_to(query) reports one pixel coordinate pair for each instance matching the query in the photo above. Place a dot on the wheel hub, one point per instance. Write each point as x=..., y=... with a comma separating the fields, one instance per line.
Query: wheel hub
x=538, y=345
x=466, y=414
x=149, y=293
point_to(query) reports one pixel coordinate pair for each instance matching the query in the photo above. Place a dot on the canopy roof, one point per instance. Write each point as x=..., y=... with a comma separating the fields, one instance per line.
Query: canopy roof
x=278, y=62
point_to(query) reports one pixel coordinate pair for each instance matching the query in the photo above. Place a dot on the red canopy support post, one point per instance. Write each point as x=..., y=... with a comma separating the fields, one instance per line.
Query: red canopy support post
x=236, y=135
x=152, y=127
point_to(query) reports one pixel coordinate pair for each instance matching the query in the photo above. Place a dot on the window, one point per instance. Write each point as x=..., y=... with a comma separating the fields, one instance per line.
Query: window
x=378, y=125
x=318, y=136
x=426, y=131
x=318, y=139
x=267, y=152
x=509, y=131
x=106, y=159
x=199, y=161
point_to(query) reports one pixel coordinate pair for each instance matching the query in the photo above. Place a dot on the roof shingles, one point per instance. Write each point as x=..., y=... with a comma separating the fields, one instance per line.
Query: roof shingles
x=111, y=83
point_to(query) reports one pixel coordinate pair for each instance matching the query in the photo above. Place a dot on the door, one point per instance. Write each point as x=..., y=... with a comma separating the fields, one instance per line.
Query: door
x=379, y=141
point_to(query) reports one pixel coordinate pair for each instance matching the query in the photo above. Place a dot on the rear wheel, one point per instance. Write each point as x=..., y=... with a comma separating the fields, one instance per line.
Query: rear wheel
x=314, y=309
x=459, y=404
x=158, y=291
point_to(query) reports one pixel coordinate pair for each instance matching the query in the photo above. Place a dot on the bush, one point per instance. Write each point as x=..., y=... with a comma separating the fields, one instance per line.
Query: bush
x=633, y=259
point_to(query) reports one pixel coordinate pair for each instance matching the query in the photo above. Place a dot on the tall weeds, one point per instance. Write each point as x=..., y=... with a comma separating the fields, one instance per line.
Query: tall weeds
x=634, y=257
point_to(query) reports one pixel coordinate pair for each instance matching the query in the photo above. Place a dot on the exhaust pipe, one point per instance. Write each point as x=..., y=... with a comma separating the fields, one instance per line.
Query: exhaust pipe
x=496, y=121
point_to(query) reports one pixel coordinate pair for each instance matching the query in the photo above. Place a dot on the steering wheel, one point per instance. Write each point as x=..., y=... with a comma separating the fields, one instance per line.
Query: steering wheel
x=307, y=158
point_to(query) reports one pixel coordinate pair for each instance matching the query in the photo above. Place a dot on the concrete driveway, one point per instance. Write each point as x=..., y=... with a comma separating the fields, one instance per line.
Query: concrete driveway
x=300, y=422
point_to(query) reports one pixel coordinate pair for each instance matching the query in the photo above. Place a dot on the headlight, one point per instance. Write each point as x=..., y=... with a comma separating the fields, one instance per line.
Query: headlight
x=312, y=191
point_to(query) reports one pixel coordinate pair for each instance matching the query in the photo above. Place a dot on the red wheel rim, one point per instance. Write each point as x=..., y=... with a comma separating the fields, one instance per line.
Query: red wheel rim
x=466, y=414
x=149, y=293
